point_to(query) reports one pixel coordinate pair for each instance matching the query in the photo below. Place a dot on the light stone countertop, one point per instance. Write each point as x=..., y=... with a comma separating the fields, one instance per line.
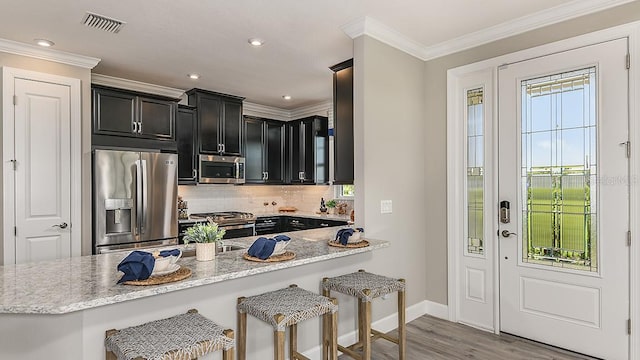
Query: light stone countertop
x=78, y=283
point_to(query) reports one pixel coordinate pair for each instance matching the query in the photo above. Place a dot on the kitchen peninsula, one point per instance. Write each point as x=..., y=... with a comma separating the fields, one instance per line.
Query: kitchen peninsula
x=60, y=309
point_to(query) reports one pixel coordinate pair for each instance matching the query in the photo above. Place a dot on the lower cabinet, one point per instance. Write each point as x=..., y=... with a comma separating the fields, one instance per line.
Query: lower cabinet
x=285, y=223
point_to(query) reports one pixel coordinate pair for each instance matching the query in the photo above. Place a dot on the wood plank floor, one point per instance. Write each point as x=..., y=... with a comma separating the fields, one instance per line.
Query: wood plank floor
x=430, y=338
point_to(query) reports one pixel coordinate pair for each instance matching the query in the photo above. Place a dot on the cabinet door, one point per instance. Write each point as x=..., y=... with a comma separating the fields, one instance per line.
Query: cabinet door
x=254, y=150
x=274, y=152
x=343, y=125
x=296, y=154
x=232, y=128
x=113, y=113
x=156, y=118
x=187, y=150
x=209, y=115
x=307, y=153
x=321, y=150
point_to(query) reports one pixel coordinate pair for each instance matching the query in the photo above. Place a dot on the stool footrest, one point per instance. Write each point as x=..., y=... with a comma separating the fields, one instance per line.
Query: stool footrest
x=349, y=352
x=297, y=356
x=377, y=334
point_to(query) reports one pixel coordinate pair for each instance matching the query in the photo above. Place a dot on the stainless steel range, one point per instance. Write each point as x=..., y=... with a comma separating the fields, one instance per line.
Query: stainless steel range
x=236, y=223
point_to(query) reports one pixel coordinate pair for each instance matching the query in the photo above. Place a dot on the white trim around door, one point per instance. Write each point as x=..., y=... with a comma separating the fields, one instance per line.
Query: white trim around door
x=456, y=161
x=9, y=75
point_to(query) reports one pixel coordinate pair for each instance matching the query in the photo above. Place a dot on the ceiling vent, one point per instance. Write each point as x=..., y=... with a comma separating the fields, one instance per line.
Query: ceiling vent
x=102, y=23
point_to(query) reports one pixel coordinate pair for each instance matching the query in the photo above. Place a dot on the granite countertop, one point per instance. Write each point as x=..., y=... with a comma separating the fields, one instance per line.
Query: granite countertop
x=79, y=283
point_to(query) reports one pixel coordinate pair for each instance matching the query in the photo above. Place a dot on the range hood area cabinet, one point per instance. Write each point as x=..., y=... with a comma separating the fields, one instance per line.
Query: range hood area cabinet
x=308, y=150
x=123, y=118
x=343, y=122
x=186, y=130
x=219, y=122
x=264, y=142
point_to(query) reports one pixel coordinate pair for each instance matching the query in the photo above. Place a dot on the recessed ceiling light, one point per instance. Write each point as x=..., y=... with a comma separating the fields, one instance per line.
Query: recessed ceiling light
x=194, y=76
x=256, y=42
x=286, y=97
x=44, y=42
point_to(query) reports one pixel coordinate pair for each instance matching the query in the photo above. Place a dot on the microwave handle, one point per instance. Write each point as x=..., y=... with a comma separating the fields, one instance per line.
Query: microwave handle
x=237, y=170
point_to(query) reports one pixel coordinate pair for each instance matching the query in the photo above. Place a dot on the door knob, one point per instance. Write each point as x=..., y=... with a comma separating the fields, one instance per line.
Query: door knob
x=61, y=226
x=507, y=233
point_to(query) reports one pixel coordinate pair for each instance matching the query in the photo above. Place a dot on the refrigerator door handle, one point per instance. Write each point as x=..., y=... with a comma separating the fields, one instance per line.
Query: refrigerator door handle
x=138, y=197
x=144, y=196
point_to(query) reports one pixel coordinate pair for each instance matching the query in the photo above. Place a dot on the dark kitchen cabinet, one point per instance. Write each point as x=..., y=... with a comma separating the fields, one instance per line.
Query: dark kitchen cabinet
x=186, y=130
x=219, y=122
x=343, y=122
x=308, y=151
x=264, y=150
x=268, y=225
x=126, y=113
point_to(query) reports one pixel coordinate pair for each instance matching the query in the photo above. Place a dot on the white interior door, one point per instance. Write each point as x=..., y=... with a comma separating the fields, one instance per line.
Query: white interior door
x=563, y=167
x=42, y=170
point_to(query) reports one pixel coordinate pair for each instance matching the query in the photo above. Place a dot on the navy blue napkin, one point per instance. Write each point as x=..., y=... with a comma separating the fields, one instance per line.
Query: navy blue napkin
x=342, y=236
x=267, y=249
x=174, y=252
x=256, y=247
x=138, y=265
x=281, y=238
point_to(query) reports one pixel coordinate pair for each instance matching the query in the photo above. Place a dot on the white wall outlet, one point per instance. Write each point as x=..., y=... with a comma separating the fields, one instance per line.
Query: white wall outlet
x=386, y=207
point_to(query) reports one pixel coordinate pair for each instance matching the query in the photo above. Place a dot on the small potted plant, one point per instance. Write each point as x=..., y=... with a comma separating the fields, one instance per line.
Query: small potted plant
x=331, y=204
x=205, y=236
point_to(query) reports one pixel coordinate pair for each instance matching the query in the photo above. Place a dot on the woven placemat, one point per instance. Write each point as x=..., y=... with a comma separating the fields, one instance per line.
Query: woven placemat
x=359, y=244
x=181, y=274
x=287, y=255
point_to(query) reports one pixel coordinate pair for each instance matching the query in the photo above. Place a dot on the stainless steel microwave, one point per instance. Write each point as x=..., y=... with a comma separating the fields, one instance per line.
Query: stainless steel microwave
x=215, y=169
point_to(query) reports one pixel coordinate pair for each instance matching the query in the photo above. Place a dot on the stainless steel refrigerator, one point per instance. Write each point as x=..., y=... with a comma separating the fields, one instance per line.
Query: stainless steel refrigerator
x=134, y=200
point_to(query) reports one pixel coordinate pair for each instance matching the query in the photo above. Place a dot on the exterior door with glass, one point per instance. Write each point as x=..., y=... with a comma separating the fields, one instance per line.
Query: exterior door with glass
x=563, y=169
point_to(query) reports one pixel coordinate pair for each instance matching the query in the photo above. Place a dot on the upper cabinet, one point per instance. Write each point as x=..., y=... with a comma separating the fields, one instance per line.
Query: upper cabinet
x=219, y=122
x=186, y=128
x=308, y=150
x=343, y=122
x=264, y=151
x=143, y=118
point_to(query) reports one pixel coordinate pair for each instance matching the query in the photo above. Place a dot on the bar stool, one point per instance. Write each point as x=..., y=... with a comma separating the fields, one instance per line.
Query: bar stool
x=366, y=287
x=286, y=308
x=184, y=336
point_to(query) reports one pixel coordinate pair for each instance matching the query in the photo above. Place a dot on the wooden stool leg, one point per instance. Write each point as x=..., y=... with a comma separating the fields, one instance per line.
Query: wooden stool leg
x=242, y=333
x=278, y=345
x=402, y=330
x=366, y=323
x=293, y=341
x=325, y=326
x=228, y=354
x=332, y=335
x=361, y=329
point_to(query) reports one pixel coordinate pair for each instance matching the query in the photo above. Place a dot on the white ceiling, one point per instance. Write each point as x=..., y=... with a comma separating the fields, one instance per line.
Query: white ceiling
x=164, y=40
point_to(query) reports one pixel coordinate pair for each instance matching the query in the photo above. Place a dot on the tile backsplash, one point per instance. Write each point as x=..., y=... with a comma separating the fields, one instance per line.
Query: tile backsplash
x=205, y=198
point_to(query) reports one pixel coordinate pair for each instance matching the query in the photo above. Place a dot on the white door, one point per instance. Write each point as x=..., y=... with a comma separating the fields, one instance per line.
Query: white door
x=563, y=168
x=42, y=170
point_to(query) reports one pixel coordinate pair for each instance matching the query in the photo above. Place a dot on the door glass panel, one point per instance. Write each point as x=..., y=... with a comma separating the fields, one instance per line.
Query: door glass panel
x=475, y=172
x=559, y=170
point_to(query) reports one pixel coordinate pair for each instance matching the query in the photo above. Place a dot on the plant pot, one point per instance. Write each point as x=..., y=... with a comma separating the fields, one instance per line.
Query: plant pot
x=205, y=251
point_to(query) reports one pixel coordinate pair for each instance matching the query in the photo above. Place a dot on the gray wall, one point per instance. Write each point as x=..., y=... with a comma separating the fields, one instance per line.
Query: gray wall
x=49, y=67
x=389, y=152
x=435, y=183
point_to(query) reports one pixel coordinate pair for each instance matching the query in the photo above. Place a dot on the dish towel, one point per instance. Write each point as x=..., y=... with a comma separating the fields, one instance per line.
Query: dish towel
x=138, y=265
x=342, y=236
x=174, y=252
x=263, y=247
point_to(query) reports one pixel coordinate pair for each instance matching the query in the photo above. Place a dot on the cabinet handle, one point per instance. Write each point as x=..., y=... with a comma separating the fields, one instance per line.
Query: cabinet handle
x=268, y=221
x=139, y=127
x=266, y=175
x=324, y=225
x=135, y=126
x=219, y=147
x=195, y=174
x=222, y=147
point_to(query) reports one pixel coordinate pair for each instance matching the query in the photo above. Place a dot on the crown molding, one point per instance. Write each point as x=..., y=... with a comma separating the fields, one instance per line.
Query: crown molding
x=379, y=31
x=38, y=52
x=127, y=84
x=520, y=25
x=321, y=109
x=375, y=29
x=270, y=112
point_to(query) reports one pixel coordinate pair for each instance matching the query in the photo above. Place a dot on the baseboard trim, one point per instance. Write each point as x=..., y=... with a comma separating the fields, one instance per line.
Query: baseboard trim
x=389, y=323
